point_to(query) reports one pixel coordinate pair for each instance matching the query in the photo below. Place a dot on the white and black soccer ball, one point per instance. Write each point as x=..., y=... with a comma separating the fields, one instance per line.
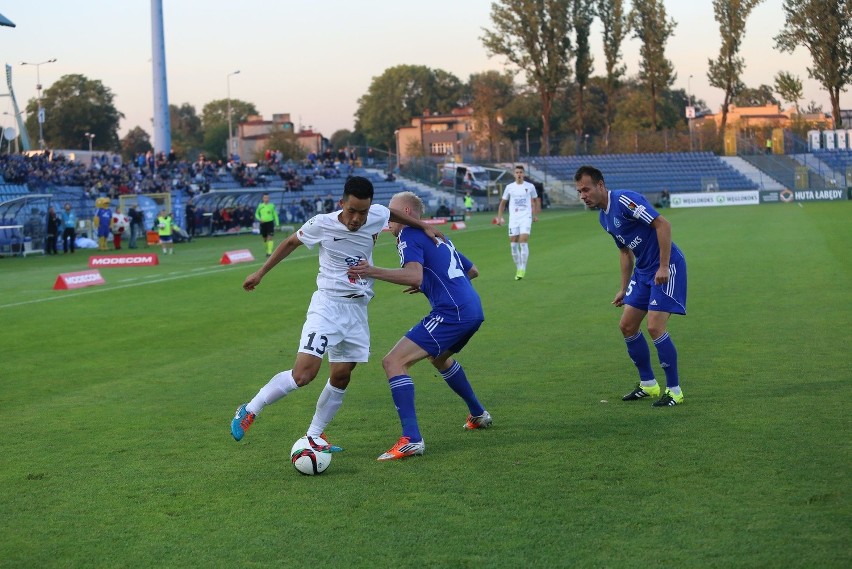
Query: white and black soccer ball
x=307, y=458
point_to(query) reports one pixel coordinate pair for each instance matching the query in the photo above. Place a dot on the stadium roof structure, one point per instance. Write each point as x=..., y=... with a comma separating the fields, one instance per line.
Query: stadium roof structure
x=4, y=21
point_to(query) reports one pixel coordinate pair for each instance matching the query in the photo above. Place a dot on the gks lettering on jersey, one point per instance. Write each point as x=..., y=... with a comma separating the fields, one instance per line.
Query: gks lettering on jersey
x=633, y=244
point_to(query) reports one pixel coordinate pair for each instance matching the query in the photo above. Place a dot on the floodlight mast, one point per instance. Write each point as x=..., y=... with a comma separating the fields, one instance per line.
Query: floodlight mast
x=40, y=108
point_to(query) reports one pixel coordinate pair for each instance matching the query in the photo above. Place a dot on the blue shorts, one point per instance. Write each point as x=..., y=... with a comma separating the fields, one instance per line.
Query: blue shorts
x=436, y=335
x=103, y=230
x=166, y=238
x=643, y=294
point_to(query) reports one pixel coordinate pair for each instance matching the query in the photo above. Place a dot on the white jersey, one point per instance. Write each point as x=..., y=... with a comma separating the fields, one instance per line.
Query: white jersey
x=341, y=249
x=519, y=198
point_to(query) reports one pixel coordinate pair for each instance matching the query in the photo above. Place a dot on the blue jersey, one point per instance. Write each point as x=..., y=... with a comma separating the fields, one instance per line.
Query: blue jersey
x=445, y=282
x=628, y=219
x=104, y=216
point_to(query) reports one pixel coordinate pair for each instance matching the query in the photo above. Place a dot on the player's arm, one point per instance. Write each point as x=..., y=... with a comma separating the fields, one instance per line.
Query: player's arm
x=500, y=209
x=626, y=260
x=467, y=265
x=664, y=238
x=411, y=274
x=279, y=254
x=398, y=217
x=536, y=208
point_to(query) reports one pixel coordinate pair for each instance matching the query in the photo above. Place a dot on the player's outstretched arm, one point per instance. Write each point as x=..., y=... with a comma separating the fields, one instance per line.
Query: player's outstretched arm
x=411, y=274
x=473, y=272
x=279, y=254
x=399, y=217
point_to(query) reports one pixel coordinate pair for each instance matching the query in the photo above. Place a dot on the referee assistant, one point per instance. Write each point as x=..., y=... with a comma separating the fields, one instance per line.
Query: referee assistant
x=267, y=215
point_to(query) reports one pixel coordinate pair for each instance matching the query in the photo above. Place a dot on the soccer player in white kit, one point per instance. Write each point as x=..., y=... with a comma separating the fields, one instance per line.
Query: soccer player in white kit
x=336, y=322
x=522, y=200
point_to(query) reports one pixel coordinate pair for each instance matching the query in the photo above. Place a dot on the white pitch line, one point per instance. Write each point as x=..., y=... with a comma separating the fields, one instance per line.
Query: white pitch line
x=99, y=290
x=154, y=279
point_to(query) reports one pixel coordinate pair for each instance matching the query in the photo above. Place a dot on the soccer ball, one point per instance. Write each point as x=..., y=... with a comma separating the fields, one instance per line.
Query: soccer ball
x=119, y=223
x=306, y=459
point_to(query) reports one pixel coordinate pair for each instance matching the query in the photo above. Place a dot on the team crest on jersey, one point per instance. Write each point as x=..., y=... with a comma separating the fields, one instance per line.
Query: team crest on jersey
x=616, y=222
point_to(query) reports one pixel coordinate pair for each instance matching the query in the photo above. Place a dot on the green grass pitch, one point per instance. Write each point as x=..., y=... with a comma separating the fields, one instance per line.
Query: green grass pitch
x=116, y=402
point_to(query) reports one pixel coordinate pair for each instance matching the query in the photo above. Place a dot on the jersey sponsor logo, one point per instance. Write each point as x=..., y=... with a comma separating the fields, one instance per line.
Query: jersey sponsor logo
x=338, y=238
x=638, y=210
x=635, y=243
x=351, y=262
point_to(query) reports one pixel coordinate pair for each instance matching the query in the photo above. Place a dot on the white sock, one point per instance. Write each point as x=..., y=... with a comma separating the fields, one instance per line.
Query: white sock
x=648, y=383
x=279, y=386
x=675, y=390
x=328, y=403
x=516, y=254
x=524, y=255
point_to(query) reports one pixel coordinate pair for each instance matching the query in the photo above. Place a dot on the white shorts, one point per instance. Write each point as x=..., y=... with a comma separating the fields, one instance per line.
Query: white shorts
x=520, y=226
x=336, y=327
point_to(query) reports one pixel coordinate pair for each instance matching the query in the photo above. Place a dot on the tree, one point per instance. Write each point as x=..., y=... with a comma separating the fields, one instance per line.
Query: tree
x=186, y=130
x=400, y=93
x=760, y=97
x=216, y=112
x=73, y=106
x=582, y=17
x=284, y=141
x=615, y=29
x=813, y=108
x=724, y=73
x=214, y=123
x=534, y=35
x=824, y=28
x=137, y=141
x=789, y=86
x=491, y=92
x=215, y=141
x=340, y=139
x=651, y=26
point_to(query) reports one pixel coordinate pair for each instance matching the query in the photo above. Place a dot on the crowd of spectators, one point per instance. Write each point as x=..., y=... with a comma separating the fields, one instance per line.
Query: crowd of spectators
x=108, y=175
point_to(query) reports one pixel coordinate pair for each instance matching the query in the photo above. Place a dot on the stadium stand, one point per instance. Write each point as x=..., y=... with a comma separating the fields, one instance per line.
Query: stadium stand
x=651, y=173
x=837, y=160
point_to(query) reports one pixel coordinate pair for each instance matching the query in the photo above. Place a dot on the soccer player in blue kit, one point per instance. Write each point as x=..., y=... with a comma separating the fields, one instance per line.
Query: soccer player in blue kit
x=653, y=280
x=443, y=274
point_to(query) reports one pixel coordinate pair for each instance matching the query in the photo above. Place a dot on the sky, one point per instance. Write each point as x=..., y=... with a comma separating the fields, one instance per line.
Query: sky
x=314, y=60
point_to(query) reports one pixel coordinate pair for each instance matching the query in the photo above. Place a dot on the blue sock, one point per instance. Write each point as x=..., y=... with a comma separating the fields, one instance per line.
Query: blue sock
x=668, y=359
x=637, y=349
x=457, y=380
x=402, y=391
